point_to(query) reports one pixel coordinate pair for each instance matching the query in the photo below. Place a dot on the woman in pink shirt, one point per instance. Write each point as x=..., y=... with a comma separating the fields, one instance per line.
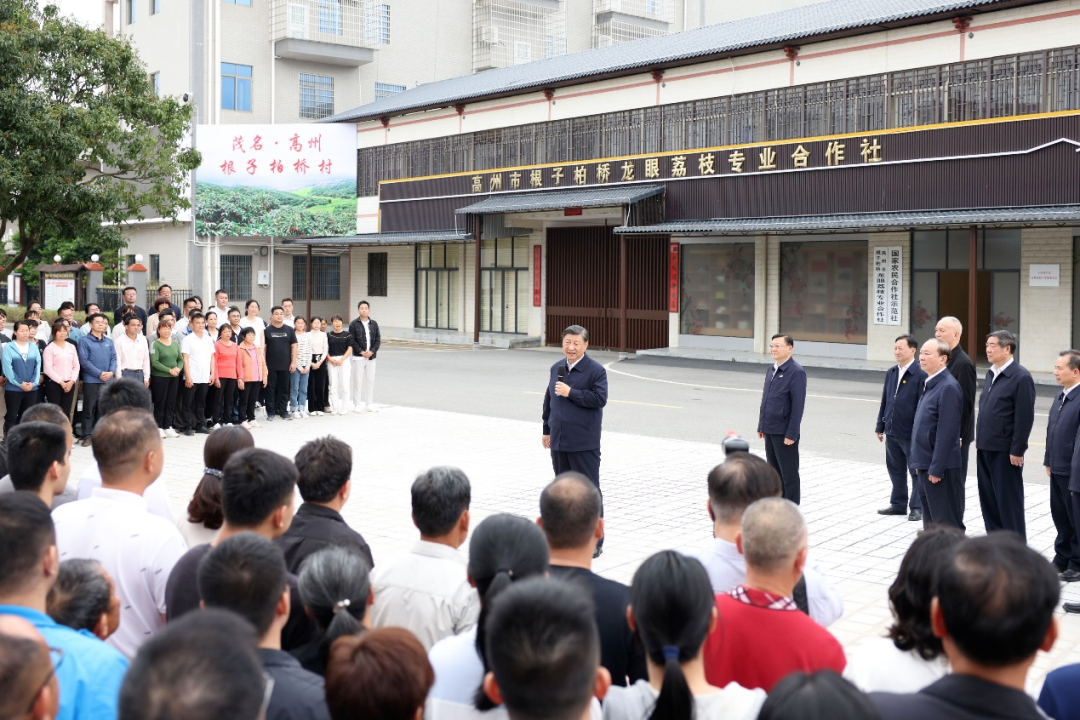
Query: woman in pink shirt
x=61, y=365
x=229, y=370
x=252, y=376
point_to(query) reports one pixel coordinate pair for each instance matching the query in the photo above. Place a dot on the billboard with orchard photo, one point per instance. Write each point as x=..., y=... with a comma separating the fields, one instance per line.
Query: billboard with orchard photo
x=280, y=180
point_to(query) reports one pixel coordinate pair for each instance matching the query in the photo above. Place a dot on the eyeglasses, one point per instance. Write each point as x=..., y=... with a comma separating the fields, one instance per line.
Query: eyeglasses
x=268, y=690
x=56, y=657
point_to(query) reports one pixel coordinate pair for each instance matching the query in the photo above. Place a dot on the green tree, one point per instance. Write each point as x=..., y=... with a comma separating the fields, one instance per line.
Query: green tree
x=85, y=143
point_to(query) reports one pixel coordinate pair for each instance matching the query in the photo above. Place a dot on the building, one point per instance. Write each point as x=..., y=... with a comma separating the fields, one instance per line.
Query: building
x=831, y=171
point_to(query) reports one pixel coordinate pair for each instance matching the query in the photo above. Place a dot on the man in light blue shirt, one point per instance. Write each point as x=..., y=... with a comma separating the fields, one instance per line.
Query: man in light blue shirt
x=90, y=672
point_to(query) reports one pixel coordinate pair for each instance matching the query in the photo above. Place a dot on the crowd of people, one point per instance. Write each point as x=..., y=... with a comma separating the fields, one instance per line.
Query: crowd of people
x=205, y=368
x=254, y=608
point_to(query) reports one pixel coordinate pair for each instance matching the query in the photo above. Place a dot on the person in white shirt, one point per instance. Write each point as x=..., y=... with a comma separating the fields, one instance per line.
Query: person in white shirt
x=182, y=326
x=221, y=304
x=428, y=591
x=734, y=485
x=114, y=527
x=910, y=657
x=198, y=350
x=252, y=320
x=132, y=351
x=287, y=308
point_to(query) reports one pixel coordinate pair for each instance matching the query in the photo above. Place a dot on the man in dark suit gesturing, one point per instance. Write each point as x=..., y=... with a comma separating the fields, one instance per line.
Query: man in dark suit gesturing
x=780, y=416
x=935, y=439
x=1006, y=414
x=899, y=397
x=574, y=410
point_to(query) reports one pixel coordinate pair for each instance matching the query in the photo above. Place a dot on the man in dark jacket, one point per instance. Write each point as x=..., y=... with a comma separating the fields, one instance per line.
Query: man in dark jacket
x=962, y=368
x=574, y=410
x=365, y=341
x=899, y=398
x=1006, y=415
x=780, y=415
x=131, y=296
x=935, y=439
x=1061, y=432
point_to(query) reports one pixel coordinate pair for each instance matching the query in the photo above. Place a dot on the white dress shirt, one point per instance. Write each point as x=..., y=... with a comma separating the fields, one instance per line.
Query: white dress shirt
x=200, y=352
x=426, y=592
x=900, y=376
x=137, y=548
x=156, y=495
x=879, y=666
x=132, y=354
x=727, y=569
x=997, y=370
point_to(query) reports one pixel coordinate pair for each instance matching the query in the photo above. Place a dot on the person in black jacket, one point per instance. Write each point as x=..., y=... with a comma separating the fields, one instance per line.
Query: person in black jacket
x=899, y=398
x=935, y=439
x=131, y=296
x=1006, y=415
x=1061, y=431
x=780, y=414
x=574, y=410
x=962, y=368
x=365, y=341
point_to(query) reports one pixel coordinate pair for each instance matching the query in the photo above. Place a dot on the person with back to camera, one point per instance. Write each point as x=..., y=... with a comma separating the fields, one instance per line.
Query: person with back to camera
x=335, y=587
x=84, y=598
x=672, y=610
x=823, y=695
x=204, y=515
x=383, y=674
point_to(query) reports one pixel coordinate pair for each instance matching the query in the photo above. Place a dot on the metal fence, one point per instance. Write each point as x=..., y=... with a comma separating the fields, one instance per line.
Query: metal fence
x=179, y=295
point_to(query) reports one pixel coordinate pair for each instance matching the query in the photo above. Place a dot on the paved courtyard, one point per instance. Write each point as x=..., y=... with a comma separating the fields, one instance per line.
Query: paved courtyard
x=655, y=498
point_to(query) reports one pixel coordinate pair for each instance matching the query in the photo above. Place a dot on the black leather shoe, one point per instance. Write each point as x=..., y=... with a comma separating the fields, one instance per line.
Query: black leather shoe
x=202, y=430
x=189, y=432
x=85, y=442
x=915, y=516
x=892, y=511
x=1070, y=576
x=1071, y=608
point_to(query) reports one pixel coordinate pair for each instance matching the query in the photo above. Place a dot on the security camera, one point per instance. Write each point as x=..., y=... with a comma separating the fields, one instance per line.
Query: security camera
x=185, y=98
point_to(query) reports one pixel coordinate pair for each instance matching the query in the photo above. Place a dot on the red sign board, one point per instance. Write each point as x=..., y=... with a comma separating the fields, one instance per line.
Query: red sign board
x=572, y=211
x=536, y=276
x=673, y=279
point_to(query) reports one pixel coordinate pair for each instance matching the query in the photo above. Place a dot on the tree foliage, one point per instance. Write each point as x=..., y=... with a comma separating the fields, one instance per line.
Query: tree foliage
x=85, y=143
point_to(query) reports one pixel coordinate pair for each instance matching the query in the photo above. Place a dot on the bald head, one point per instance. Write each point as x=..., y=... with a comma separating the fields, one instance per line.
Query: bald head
x=773, y=534
x=569, y=511
x=25, y=669
x=949, y=329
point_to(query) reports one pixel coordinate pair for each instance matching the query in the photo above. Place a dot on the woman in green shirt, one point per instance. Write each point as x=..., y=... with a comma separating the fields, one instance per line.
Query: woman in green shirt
x=165, y=365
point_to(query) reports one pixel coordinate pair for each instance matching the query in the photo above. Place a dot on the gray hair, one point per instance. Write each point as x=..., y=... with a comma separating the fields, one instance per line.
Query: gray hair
x=80, y=595
x=1005, y=339
x=576, y=330
x=334, y=585
x=773, y=533
x=439, y=497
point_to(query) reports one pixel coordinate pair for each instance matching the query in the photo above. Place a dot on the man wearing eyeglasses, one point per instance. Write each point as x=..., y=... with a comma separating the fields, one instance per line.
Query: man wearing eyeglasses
x=89, y=671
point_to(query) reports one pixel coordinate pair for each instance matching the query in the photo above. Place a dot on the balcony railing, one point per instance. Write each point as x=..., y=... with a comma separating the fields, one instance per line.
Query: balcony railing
x=660, y=10
x=340, y=32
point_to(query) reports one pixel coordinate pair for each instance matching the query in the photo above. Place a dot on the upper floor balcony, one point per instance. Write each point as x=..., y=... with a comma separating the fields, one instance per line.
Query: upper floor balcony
x=662, y=11
x=333, y=32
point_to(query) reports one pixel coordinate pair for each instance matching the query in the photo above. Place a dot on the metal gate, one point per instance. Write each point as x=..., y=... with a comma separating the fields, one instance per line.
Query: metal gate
x=583, y=287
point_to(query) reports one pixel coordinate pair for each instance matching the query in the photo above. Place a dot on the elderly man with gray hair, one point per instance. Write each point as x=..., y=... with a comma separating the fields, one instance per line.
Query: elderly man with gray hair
x=936, y=439
x=761, y=636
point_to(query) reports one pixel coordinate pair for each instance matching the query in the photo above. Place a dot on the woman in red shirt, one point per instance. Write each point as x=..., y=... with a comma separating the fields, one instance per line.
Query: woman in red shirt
x=227, y=362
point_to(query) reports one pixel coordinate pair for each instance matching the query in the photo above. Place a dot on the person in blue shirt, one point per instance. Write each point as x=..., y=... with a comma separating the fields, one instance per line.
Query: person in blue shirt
x=67, y=312
x=90, y=672
x=97, y=358
x=21, y=360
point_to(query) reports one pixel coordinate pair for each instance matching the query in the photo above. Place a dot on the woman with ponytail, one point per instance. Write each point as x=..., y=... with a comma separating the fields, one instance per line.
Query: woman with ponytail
x=335, y=588
x=672, y=610
x=503, y=550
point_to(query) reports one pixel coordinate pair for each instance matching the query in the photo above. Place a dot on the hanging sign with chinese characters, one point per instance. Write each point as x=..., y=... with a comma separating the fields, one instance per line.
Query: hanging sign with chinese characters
x=888, y=284
x=276, y=180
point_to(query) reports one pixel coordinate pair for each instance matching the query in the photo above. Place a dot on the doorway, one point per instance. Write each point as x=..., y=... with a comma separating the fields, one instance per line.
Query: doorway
x=953, y=300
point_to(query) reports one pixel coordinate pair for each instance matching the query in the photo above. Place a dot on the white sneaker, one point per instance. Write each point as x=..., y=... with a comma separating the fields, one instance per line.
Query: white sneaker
x=246, y=425
x=161, y=433
x=254, y=424
x=297, y=415
x=305, y=413
x=170, y=432
x=372, y=408
x=358, y=409
x=216, y=426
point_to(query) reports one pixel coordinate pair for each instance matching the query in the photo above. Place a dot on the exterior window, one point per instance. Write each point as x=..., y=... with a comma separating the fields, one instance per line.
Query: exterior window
x=823, y=291
x=155, y=268
x=316, y=96
x=236, y=276
x=505, y=285
x=131, y=10
x=438, y=285
x=155, y=7
x=376, y=274
x=246, y=3
x=325, y=277
x=330, y=17
x=377, y=25
x=235, y=87
x=385, y=90
x=156, y=79
x=718, y=290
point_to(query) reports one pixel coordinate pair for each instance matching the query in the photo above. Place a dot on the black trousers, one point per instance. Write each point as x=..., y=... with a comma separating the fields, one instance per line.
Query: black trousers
x=896, y=460
x=213, y=403
x=1001, y=492
x=17, y=403
x=318, y=386
x=1066, y=545
x=277, y=392
x=163, y=392
x=90, y=393
x=248, y=397
x=195, y=405
x=785, y=460
x=586, y=462
x=941, y=500
x=55, y=394
x=221, y=412
x=965, y=454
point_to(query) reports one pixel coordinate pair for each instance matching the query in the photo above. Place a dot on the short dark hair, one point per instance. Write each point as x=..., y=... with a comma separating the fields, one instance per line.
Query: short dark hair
x=787, y=339
x=1072, y=355
x=913, y=589
x=383, y=673
x=1006, y=339
x=439, y=497
x=324, y=466
x=121, y=440
x=362, y=302
x=197, y=299
x=90, y=315
x=276, y=307
x=66, y=305
x=193, y=300
x=911, y=341
x=48, y=413
x=23, y=662
x=80, y=595
x=285, y=300
x=58, y=325
x=130, y=316
x=824, y=695
x=123, y=393
x=255, y=483
x=334, y=585
x=569, y=510
x=32, y=448
x=544, y=649
x=220, y=291
x=738, y=482
x=203, y=665
x=129, y=287
x=205, y=505
x=576, y=330
x=244, y=332
x=26, y=532
x=246, y=574
x=997, y=597
x=195, y=315
x=163, y=286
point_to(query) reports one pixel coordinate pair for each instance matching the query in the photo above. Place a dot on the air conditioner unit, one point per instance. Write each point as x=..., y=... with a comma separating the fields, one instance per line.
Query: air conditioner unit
x=489, y=35
x=298, y=22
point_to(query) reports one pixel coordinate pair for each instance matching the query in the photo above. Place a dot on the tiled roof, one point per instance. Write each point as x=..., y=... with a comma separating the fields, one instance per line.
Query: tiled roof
x=528, y=202
x=387, y=238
